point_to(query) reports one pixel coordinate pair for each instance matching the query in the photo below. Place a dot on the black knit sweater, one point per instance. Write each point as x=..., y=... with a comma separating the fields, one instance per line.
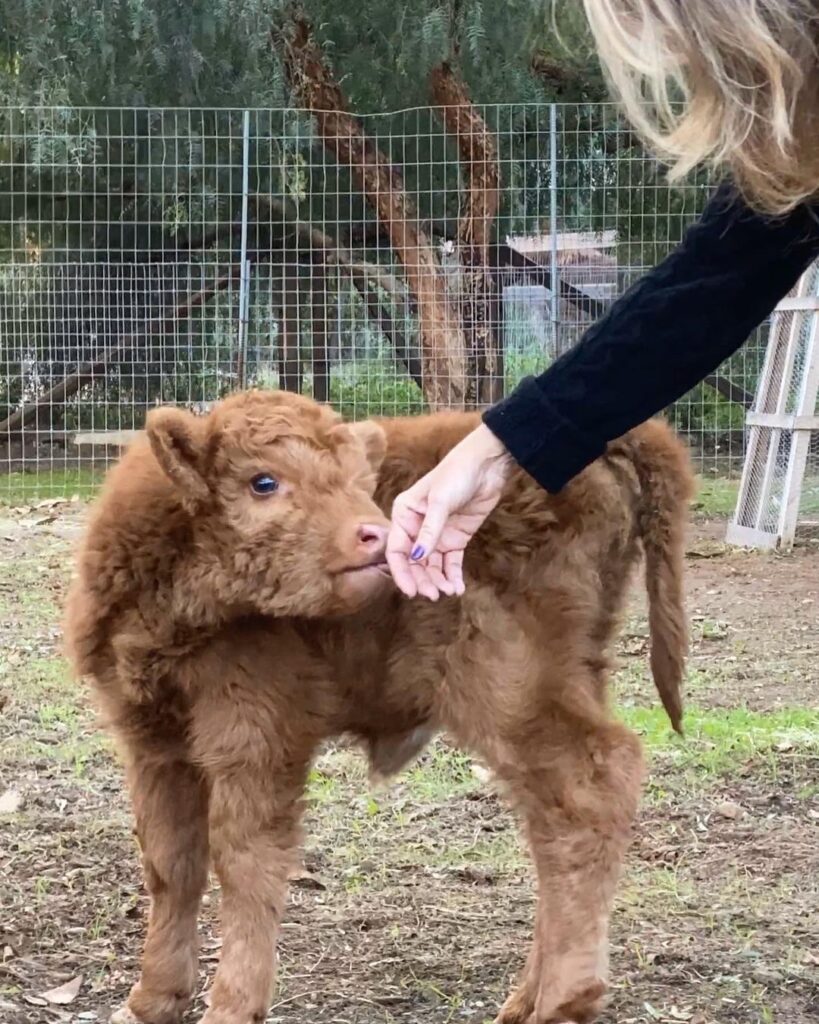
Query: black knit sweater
x=668, y=332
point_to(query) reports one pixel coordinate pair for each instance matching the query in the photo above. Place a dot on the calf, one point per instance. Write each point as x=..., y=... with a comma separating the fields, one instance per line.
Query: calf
x=232, y=611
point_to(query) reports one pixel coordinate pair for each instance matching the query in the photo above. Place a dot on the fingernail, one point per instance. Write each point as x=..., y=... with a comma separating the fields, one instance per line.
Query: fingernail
x=417, y=552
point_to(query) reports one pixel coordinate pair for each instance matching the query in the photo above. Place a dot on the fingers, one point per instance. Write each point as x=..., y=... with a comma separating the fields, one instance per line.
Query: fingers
x=424, y=584
x=453, y=570
x=437, y=575
x=404, y=528
x=432, y=526
x=413, y=570
x=398, y=561
x=416, y=562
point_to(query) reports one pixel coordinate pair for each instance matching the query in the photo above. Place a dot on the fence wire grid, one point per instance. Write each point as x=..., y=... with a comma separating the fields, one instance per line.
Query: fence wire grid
x=165, y=255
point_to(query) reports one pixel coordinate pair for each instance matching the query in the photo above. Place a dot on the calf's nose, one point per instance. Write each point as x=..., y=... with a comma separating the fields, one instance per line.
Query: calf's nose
x=372, y=538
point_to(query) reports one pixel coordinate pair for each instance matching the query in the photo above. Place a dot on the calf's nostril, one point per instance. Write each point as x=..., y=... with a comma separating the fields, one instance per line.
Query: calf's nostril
x=372, y=537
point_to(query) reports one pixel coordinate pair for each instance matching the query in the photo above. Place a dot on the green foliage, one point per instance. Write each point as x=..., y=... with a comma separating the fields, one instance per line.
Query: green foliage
x=216, y=52
x=122, y=143
x=131, y=52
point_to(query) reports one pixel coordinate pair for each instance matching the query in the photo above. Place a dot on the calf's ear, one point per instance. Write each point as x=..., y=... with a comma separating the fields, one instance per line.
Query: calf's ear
x=177, y=441
x=370, y=436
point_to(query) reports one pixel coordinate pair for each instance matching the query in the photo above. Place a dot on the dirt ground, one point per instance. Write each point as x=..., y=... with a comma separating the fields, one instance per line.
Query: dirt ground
x=415, y=904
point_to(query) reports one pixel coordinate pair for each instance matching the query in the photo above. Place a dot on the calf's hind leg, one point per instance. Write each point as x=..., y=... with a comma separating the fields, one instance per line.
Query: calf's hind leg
x=578, y=793
x=574, y=777
x=170, y=805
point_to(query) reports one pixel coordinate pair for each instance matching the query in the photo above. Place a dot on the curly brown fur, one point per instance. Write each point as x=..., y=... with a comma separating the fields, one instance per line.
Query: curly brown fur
x=227, y=634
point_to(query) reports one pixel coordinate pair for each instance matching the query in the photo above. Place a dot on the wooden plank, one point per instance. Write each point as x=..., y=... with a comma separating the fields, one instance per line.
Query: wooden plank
x=40, y=435
x=798, y=303
x=780, y=382
x=769, y=417
x=800, y=439
x=759, y=442
x=783, y=421
x=121, y=438
x=106, y=438
x=564, y=241
x=750, y=537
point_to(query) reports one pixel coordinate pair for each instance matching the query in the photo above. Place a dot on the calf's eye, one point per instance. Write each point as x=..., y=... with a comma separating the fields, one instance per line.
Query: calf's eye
x=264, y=484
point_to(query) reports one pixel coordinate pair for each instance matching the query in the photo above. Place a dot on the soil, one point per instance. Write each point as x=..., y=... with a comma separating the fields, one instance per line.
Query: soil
x=416, y=905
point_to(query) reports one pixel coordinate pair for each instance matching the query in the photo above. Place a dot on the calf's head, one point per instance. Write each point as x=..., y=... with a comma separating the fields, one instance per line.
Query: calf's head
x=280, y=494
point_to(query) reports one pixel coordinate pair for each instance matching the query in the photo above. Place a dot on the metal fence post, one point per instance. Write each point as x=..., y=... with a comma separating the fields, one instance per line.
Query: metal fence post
x=244, y=263
x=554, y=270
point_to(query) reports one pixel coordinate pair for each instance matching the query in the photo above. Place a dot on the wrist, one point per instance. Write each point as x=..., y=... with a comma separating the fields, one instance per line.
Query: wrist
x=492, y=451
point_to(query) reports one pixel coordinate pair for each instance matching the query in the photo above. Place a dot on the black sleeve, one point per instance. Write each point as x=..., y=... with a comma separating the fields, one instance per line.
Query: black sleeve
x=660, y=339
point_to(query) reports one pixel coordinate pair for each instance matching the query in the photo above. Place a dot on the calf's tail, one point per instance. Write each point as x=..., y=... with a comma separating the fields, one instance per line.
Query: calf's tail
x=666, y=485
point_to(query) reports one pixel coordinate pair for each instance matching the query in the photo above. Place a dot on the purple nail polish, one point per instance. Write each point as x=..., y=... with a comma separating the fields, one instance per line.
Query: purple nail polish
x=417, y=552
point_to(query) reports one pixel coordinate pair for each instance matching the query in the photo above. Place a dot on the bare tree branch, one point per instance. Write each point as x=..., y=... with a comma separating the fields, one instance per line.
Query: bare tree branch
x=479, y=160
x=442, y=346
x=85, y=373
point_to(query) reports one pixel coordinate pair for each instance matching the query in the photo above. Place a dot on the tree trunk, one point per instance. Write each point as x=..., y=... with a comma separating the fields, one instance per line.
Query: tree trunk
x=287, y=301
x=365, y=277
x=479, y=160
x=320, y=334
x=442, y=342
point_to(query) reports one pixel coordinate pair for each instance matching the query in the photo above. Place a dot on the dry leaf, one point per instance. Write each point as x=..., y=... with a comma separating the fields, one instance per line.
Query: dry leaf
x=476, y=875
x=65, y=994
x=729, y=809
x=678, y=1013
x=303, y=879
x=11, y=801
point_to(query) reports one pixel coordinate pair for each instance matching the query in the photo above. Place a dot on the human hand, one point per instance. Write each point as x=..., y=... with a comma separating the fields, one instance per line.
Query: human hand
x=435, y=519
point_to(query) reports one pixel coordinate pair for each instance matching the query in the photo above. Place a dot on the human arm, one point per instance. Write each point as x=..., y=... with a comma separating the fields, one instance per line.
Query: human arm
x=668, y=332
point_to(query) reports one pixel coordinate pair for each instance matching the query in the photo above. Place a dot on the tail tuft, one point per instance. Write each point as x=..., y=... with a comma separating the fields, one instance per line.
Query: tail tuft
x=667, y=485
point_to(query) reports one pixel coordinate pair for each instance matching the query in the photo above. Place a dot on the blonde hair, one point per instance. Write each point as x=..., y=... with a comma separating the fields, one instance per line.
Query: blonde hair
x=734, y=83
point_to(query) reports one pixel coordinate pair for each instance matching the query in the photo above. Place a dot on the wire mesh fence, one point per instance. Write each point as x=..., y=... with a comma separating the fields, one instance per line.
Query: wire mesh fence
x=163, y=255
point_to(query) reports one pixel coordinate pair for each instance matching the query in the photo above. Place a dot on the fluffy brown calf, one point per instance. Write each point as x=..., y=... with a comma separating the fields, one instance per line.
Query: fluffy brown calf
x=232, y=612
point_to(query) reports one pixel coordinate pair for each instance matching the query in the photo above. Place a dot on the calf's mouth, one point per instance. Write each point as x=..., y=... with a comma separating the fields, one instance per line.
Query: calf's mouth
x=377, y=564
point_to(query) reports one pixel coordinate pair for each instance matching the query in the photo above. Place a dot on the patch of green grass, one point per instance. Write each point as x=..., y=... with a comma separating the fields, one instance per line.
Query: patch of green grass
x=443, y=772
x=59, y=724
x=59, y=715
x=20, y=488
x=632, y=684
x=374, y=389
x=28, y=602
x=41, y=680
x=80, y=748
x=322, y=789
x=716, y=497
x=665, y=888
x=718, y=740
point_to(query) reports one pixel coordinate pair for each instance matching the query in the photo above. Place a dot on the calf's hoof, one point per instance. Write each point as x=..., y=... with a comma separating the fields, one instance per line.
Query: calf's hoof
x=217, y=1016
x=155, y=1010
x=518, y=1008
x=581, y=1008
x=584, y=1006
x=124, y=1015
